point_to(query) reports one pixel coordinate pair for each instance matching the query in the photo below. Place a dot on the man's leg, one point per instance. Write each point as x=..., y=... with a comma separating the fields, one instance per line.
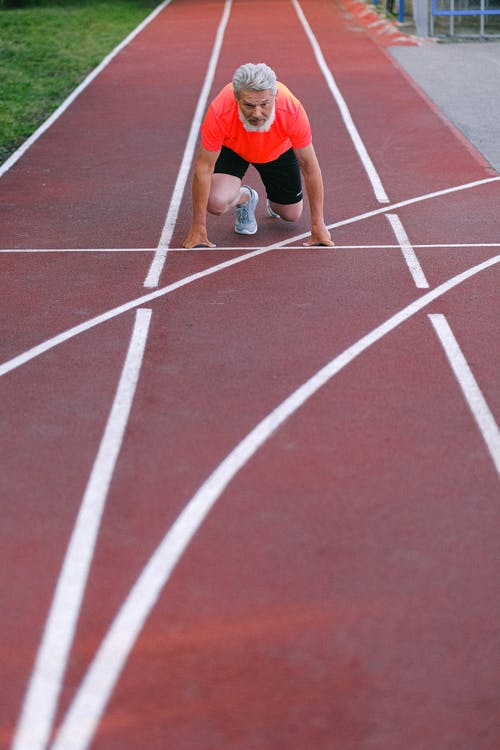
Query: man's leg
x=226, y=192
x=283, y=186
x=287, y=211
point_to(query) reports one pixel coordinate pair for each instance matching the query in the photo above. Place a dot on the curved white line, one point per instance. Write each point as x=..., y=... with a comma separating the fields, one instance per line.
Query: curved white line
x=45, y=346
x=394, y=206
x=95, y=690
x=40, y=703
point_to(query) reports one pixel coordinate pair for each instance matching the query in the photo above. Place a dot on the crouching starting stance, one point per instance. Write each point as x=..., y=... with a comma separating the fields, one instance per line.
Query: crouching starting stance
x=256, y=120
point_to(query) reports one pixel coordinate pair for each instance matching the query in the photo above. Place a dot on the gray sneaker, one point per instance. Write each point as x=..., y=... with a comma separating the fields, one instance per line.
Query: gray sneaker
x=245, y=214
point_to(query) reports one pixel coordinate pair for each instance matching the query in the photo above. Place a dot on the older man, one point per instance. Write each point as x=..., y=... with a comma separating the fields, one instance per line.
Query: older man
x=256, y=120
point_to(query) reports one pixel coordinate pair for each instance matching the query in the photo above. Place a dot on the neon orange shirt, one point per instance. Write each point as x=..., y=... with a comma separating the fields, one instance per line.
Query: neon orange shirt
x=223, y=127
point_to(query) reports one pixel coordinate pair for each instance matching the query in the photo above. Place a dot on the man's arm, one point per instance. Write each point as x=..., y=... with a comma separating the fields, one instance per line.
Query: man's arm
x=202, y=181
x=313, y=180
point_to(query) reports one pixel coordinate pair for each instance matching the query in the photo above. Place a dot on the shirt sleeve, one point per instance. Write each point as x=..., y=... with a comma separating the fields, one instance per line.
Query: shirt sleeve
x=301, y=135
x=211, y=134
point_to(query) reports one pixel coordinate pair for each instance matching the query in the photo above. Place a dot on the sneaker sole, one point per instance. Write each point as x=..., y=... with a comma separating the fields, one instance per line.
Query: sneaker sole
x=246, y=231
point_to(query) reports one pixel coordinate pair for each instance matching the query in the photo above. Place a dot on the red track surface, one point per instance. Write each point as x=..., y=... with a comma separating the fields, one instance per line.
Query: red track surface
x=343, y=592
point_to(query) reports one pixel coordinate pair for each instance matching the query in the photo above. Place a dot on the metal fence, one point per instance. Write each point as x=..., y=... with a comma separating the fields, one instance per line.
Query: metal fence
x=466, y=18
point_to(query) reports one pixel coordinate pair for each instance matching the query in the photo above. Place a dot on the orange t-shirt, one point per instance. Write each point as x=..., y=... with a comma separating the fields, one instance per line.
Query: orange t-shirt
x=223, y=127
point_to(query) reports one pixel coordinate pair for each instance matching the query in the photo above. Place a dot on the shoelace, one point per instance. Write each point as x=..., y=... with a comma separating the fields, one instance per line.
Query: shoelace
x=243, y=214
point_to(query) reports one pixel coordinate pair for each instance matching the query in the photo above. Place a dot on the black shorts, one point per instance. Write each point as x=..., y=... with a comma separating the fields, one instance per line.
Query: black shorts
x=281, y=177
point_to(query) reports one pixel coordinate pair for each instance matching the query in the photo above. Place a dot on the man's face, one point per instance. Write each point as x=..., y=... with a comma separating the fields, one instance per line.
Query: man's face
x=256, y=109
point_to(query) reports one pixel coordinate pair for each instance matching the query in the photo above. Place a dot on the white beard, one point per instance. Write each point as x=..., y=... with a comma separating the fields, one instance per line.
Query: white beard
x=258, y=128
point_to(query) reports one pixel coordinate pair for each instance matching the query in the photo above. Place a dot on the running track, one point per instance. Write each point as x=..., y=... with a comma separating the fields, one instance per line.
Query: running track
x=250, y=495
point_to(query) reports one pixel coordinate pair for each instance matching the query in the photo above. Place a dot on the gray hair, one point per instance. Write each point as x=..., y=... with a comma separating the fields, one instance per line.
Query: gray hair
x=254, y=77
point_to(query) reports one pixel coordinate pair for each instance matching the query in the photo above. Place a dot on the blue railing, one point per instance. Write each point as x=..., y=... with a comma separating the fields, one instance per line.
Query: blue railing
x=482, y=10
x=478, y=12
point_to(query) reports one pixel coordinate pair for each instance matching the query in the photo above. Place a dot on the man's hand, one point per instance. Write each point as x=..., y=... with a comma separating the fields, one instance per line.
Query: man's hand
x=197, y=237
x=319, y=236
x=202, y=180
x=314, y=187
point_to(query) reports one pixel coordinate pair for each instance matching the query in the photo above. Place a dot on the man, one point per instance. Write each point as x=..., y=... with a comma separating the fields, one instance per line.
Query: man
x=256, y=120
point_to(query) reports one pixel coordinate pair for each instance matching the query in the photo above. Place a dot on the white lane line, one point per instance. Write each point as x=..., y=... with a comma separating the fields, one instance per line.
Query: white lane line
x=318, y=248
x=83, y=85
x=60, y=338
x=90, y=701
x=468, y=384
x=70, y=250
x=37, y=716
x=160, y=257
x=249, y=248
x=408, y=252
x=367, y=163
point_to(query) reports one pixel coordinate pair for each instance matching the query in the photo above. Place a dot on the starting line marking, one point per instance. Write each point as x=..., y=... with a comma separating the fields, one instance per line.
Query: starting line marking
x=247, y=248
x=48, y=344
x=288, y=243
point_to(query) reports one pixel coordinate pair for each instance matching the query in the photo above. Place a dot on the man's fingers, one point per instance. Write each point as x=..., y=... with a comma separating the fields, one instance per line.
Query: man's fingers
x=319, y=243
x=189, y=245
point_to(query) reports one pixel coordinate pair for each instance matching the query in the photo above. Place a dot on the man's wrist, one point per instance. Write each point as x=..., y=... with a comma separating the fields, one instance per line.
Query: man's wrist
x=318, y=223
x=199, y=223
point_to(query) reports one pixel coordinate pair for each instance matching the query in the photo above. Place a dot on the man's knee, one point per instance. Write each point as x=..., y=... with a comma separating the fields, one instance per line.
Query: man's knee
x=216, y=206
x=224, y=192
x=289, y=212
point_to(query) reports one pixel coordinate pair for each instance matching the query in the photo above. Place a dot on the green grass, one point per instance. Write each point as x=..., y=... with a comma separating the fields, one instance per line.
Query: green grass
x=46, y=48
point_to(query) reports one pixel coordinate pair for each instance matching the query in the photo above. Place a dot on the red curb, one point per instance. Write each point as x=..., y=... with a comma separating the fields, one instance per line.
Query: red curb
x=386, y=33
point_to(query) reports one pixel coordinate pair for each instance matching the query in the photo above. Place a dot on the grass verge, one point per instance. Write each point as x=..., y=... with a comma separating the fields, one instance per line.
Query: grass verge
x=46, y=48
